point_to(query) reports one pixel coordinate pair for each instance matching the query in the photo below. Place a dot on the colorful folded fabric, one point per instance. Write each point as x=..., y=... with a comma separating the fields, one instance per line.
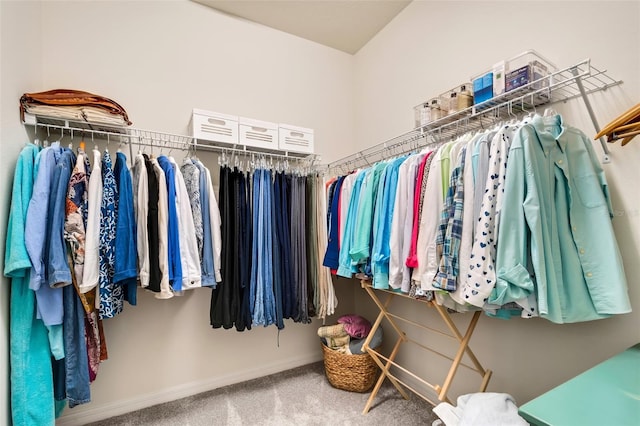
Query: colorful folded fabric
x=337, y=342
x=355, y=325
x=336, y=330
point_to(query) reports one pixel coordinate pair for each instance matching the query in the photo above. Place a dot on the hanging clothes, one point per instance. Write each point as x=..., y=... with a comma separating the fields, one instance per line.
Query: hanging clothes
x=402, y=223
x=29, y=353
x=280, y=252
x=352, y=194
x=311, y=248
x=153, y=238
x=214, y=217
x=383, y=215
x=208, y=261
x=72, y=381
x=298, y=248
x=327, y=302
x=174, y=265
x=111, y=296
x=284, y=240
x=90, y=274
x=189, y=253
x=75, y=234
x=262, y=298
x=332, y=256
x=462, y=194
x=163, y=231
x=246, y=233
x=426, y=246
x=221, y=310
x=557, y=207
x=192, y=182
x=412, y=260
x=48, y=300
x=141, y=207
x=77, y=366
x=125, y=271
x=362, y=246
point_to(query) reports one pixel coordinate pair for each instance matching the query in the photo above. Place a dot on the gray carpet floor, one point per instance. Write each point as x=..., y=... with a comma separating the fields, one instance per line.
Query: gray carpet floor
x=301, y=396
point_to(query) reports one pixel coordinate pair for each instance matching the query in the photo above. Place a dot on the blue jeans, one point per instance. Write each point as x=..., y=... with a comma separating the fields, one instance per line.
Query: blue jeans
x=269, y=301
x=255, y=203
x=262, y=270
x=76, y=361
x=278, y=252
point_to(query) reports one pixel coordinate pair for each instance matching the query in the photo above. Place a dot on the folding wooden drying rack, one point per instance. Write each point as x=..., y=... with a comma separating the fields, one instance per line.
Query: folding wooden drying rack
x=385, y=363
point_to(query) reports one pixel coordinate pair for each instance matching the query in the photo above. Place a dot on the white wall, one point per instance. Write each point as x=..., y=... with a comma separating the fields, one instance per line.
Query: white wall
x=160, y=60
x=20, y=69
x=432, y=46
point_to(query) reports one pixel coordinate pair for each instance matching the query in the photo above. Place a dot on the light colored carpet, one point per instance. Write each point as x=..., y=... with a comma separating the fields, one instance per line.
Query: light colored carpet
x=301, y=396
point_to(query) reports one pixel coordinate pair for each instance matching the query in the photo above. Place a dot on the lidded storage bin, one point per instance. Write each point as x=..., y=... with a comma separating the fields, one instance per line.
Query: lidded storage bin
x=258, y=134
x=214, y=127
x=295, y=139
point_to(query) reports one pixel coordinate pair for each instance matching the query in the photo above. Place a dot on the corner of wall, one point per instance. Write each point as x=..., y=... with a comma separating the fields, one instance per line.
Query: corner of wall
x=24, y=48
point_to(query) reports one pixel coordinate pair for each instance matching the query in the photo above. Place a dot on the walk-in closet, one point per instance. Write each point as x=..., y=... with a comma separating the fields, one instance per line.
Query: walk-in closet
x=268, y=173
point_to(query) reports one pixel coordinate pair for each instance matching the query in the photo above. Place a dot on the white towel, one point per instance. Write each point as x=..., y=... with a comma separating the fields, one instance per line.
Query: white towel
x=481, y=409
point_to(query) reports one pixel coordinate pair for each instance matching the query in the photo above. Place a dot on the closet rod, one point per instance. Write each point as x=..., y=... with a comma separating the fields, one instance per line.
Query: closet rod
x=162, y=140
x=247, y=151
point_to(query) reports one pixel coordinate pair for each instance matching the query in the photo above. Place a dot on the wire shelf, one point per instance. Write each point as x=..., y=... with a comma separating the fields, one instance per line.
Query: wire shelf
x=155, y=139
x=561, y=86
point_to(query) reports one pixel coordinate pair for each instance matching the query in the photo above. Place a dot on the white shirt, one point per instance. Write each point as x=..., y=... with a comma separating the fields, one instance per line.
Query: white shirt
x=483, y=252
x=452, y=299
x=189, y=255
x=328, y=300
x=91, y=272
x=345, y=196
x=402, y=224
x=216, y=230
x=468, y=222
x=141, y=208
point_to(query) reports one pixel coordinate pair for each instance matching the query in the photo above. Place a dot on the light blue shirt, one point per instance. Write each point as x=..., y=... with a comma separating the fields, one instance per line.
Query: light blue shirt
x=345, y=269
x=361, y=248
x=557, y=210
x=382, y=223
x=49, y=300
x=208, y=271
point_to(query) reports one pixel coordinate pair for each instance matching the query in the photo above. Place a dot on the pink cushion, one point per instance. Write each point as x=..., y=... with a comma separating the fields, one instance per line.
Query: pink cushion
x=355, y=325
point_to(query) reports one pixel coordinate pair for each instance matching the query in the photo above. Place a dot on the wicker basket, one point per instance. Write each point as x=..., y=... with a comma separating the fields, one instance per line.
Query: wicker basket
x=354, y=373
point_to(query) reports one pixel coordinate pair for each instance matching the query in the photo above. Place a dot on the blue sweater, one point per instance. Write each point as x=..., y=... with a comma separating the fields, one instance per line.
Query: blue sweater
x=125, y=267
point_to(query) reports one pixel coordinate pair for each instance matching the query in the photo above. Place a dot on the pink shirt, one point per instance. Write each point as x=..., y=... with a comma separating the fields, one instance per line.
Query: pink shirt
x=412, y=259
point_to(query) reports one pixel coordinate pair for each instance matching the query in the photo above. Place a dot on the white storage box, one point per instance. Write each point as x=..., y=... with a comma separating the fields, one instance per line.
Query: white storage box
x=214, y=127
x=258, y=134
x=295, y=139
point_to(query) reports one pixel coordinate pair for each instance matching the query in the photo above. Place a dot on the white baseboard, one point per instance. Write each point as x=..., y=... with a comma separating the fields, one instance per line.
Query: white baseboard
x=104, y=411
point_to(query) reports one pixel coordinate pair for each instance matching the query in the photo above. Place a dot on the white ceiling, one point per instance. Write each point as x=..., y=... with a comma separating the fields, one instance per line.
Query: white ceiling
x=346, y=25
